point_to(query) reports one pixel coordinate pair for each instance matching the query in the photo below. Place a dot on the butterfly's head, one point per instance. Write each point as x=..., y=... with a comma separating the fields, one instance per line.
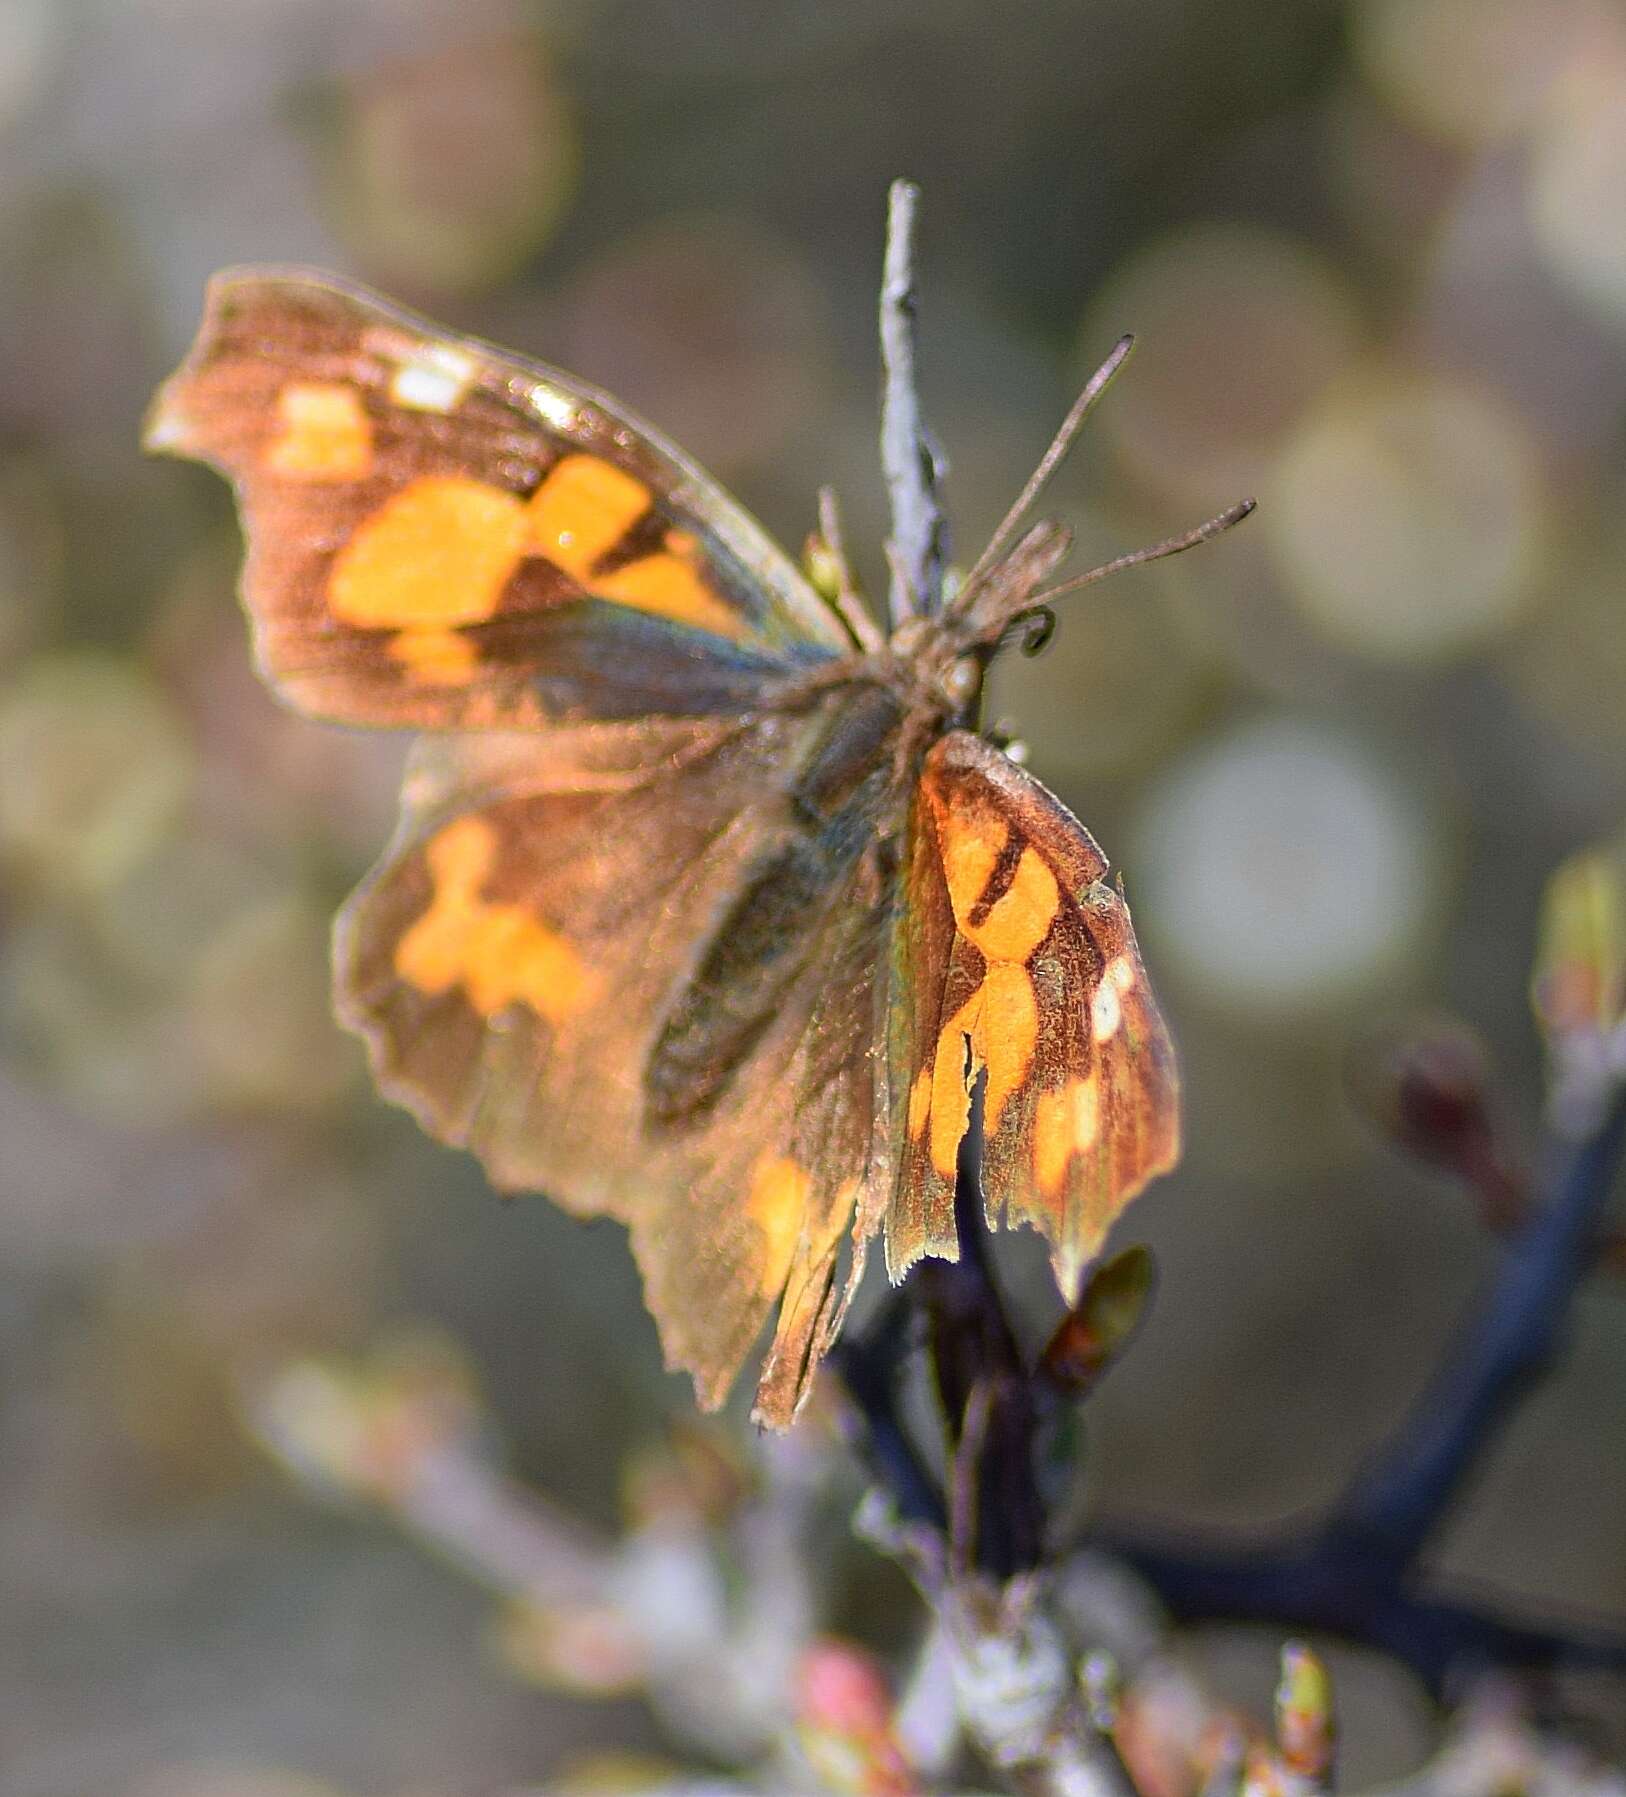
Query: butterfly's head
x=930, y=665
x=994, y=601
x=940, y=661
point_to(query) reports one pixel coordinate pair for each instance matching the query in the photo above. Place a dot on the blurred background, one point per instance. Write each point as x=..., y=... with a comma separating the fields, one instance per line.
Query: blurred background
x=1375, y=253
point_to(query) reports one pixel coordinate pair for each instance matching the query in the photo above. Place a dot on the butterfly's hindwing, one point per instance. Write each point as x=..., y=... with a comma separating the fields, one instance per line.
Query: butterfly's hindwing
x=442, y=535
x=572, y=954
x=1023, y=971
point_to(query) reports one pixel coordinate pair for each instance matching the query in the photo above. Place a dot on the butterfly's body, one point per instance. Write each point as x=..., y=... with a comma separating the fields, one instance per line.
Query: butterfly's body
x=709, y=908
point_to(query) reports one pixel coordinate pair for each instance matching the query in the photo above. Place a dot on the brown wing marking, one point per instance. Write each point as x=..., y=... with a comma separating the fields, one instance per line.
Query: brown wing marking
x=1043, y=992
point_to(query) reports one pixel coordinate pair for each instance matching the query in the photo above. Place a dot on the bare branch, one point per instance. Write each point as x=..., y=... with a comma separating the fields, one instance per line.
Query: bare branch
x=909, y=458
x=1398, y=1500
x=1353, y=1573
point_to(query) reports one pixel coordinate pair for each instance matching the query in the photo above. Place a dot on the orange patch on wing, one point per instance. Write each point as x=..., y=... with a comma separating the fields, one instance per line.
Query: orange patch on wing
x=583, y=508
x=1065, y=1123
x=436, y=657
x=1001, y=1018
x=920, y=1103
x=497, y=951
x=323, y=433
x=951, y=1085
x=1020, y=919
x=437, y=554
x=1001, y=1022
x=670, y=587
x=1007, y=1034
x=971, y=847
x=777, y=1204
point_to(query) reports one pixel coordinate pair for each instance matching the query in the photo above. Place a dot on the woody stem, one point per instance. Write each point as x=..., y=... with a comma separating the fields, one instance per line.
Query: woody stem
x=909, y=456
x=1354, y=1571
x=957, y=1310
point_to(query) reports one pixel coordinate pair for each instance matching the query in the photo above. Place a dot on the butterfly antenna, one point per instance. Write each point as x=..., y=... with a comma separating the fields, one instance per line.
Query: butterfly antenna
x=1049, y=462
x=1187, y=539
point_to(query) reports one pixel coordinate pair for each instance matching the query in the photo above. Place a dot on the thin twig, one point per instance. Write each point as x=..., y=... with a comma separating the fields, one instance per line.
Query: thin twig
x=964, y=1480
x=909, y=458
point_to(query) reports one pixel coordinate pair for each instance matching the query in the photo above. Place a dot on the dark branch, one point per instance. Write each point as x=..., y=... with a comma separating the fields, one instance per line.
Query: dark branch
x=1315, y=1587
x=974, y=1351
x=1353, y=1574
x=1398, y=1499
x=869, y=1364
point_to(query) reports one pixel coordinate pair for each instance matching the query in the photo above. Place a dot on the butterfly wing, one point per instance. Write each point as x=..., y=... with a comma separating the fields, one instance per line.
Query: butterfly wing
x=637, y=968
x=1021, y=970
x=444, y=535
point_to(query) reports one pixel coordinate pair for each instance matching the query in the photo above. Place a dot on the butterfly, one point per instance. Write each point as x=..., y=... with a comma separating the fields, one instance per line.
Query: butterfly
x=710, y=908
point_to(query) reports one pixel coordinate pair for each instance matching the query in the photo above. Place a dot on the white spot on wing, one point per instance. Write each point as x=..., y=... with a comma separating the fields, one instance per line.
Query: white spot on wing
x=423, y=389
x=165, y=429
x=1106, y=1010
x=433, y=379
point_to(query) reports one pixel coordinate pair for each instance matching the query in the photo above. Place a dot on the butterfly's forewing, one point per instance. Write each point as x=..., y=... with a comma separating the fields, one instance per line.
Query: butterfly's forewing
x=444, y=535
x=634, y=968
x=1023, y=972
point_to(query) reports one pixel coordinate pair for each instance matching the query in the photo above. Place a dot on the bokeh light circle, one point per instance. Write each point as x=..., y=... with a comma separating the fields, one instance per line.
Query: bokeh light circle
x=1281, y=870
x=1237, y=329
x=30, y=42
x=94, y=768
x=447, y=171
x=1577, y=192
x=732, y=366
x=1470, y=71
x=1406, y=517
x=1570, y=667
x=32, y=555
x=270, y=963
